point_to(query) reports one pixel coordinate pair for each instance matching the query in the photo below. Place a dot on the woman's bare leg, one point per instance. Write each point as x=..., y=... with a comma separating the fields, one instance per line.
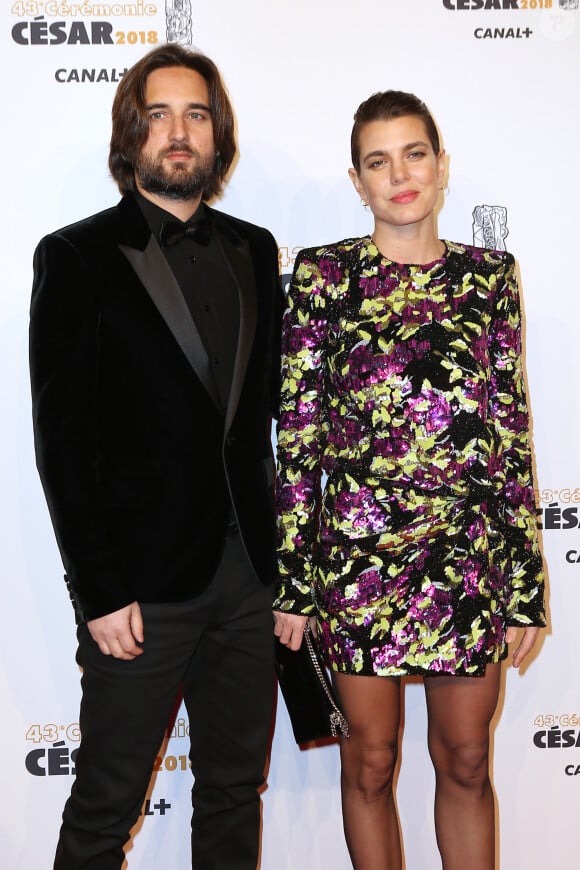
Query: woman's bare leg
x=372, y=707
x=460, y=710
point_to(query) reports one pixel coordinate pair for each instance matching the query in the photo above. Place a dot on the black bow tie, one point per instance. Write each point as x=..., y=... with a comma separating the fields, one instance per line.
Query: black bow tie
x=172, y=232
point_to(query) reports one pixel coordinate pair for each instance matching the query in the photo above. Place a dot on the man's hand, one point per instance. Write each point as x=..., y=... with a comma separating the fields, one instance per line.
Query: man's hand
x=118, y=633
x=528, y=640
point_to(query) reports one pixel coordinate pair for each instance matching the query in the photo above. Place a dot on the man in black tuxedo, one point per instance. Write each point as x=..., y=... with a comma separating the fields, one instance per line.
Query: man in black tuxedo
x=154, y=368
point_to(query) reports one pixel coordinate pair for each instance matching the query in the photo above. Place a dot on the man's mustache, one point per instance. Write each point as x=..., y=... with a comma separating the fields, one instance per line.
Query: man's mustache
x=180, y=149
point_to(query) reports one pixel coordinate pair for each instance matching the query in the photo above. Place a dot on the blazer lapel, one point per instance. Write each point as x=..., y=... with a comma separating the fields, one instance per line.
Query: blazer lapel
x=160, y=283
x=237, y=255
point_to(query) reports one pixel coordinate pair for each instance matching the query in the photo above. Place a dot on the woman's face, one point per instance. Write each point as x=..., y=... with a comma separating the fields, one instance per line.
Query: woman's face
x=400, y=175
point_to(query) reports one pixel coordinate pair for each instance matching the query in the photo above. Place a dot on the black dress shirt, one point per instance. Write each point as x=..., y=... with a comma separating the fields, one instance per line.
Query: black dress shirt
x=209, y=290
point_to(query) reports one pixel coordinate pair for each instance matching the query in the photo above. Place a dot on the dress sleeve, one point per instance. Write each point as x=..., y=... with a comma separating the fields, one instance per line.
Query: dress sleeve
x=300, y=435
x=513, y=475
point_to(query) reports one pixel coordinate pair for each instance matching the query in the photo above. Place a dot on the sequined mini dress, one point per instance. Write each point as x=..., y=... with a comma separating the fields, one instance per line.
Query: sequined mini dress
x=406, y=513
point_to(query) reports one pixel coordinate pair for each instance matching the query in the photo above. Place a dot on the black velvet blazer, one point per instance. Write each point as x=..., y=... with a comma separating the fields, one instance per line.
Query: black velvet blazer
x=136, y=461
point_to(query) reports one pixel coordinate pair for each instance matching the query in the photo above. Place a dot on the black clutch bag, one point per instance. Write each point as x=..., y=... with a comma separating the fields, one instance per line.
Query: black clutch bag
x=307, y=692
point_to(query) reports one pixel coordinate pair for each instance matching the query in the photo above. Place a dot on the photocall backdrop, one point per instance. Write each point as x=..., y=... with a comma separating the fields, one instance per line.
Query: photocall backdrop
x=501, y=77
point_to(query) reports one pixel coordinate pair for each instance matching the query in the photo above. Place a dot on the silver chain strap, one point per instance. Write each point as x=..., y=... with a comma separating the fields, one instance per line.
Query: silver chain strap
x=338, y=723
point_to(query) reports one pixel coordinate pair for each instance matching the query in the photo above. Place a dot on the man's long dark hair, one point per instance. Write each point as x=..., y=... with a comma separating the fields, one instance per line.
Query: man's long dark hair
x=131, y=126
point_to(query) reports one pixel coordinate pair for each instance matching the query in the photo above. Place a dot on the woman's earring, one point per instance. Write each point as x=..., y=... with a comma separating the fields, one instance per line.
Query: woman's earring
x=364, y=204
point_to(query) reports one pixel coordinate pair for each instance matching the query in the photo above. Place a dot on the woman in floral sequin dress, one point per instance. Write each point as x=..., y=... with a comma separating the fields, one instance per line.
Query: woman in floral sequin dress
x=405, y=494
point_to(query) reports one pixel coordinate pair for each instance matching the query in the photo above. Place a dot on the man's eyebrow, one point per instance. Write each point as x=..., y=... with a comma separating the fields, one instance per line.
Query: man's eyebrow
x=150, y=106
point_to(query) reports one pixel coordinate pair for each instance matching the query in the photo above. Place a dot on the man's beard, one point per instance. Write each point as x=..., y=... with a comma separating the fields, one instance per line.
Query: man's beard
x=180, y=182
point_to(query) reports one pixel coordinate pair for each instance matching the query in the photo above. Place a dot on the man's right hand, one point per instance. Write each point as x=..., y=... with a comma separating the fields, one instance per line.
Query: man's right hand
x=117, y=634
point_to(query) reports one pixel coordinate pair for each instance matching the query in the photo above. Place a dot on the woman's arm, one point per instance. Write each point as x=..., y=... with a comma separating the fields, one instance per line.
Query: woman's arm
x=300, y=436
x=513, y=477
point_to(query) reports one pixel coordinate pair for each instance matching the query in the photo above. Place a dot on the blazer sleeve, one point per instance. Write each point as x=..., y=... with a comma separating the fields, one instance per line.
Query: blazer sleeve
x=64, y=371
x=275, y=339
x=513, y=476
x=300, y=436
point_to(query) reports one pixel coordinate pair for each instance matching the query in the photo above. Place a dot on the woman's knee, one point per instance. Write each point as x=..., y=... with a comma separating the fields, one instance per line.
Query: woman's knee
x=465, y=764
x=369, y=770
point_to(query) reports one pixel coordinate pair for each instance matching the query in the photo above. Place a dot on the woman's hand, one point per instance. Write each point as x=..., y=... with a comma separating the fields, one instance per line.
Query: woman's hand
x=528, y=640
x=289, y=628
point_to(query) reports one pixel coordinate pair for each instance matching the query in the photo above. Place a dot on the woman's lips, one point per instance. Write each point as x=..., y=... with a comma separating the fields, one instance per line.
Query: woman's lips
x=405, y=197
